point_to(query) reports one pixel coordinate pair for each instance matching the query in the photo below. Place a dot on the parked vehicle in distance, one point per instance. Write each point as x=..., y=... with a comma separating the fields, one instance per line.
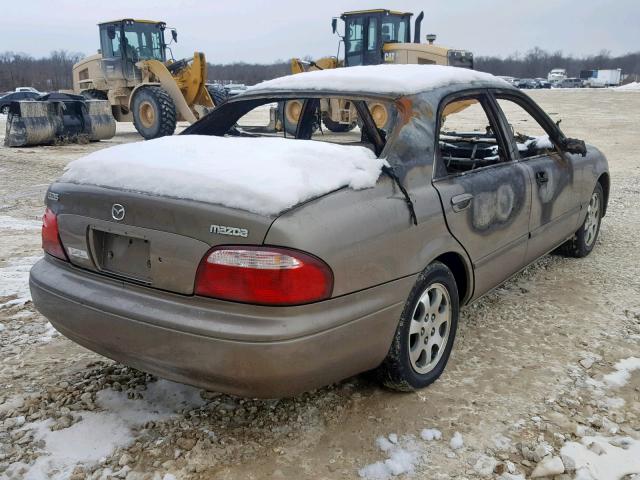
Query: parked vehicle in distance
x=601, y=78
x=542, y=83
x=28, y=89
x=14, y=96
x=570, y=83
x=234, y=89
x=526, y=83
x=272, y=265
x=556, y=75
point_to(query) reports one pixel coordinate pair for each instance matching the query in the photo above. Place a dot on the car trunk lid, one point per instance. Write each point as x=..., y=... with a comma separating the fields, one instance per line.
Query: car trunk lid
x=146, y=239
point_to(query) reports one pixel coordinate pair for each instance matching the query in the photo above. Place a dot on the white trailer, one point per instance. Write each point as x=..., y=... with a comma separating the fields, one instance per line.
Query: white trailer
x=603, y=78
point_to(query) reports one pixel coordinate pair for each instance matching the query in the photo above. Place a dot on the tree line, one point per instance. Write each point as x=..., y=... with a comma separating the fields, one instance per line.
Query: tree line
x=54, y=72
x=537, y=63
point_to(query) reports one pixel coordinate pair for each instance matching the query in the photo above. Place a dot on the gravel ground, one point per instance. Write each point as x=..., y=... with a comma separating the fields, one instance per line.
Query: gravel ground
x=534, y=384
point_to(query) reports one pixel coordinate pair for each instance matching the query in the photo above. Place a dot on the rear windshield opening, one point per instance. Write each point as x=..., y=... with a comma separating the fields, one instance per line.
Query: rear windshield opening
x=326, y=119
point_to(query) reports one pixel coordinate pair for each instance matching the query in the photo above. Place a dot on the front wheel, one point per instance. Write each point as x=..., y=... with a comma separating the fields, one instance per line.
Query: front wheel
x=583, y=241
x=424, y=337
x=154, y=113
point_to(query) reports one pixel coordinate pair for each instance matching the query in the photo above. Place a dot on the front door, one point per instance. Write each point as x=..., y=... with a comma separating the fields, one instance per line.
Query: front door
x=485, y=194
x=555, y=206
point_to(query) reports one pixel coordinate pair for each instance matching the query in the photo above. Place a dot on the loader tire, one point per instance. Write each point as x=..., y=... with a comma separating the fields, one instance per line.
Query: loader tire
x=337, y=127
x=5, y=110
x=154, y=113
x=218, y=94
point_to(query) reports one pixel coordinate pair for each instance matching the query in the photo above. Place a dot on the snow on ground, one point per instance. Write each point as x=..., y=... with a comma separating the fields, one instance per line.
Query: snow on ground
x=629, y=87
x=261, y=175
x=403, y=454
x=379, y=79
x=11, y=223
x=14, y=281
x=623, y=368
x=602, y=458
x=99, y=433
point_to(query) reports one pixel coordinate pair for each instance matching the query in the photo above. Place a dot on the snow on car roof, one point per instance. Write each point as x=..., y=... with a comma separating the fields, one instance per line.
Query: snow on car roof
x=260, y=175
x=379, y=79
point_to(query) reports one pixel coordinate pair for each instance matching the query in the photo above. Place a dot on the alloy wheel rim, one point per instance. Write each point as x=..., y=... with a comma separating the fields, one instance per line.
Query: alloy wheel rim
x=592, y=220
x=429, y=329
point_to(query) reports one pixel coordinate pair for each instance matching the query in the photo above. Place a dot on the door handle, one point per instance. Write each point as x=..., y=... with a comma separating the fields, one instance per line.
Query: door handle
x=460, y=202
x=542, y=177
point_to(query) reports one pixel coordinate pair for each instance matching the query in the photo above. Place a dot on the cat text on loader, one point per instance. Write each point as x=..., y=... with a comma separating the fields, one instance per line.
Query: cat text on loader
x=372, y=37
x=133, y=73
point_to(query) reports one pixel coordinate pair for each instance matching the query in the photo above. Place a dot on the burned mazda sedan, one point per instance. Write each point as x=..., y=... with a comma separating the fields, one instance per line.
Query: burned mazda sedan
x=317, y=226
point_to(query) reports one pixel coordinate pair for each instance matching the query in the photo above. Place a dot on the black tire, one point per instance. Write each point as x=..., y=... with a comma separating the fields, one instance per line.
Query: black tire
x=154, y=113
x=397, y=371
x=218, y=94
x=335, y=126
x=5, y=110
x=94, y=95
x=583, y=241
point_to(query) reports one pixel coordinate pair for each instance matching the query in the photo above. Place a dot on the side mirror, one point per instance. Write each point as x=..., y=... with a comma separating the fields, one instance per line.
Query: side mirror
x=111, y=32
x=174, y=35
x=334, y=24
x=573, y=145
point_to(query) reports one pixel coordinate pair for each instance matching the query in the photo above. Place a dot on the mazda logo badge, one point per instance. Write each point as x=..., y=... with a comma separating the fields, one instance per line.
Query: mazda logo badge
x=117, y=211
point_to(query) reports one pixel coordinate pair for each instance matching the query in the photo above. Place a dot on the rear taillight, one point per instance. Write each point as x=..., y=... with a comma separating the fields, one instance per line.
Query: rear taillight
x=263, y=276
x=51, y=242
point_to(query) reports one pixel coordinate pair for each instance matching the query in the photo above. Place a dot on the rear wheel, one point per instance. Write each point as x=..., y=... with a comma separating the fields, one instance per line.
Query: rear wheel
x=154, y=113
x=424, y=337
x=583, y=241
x=289, y=113
x=218, y=94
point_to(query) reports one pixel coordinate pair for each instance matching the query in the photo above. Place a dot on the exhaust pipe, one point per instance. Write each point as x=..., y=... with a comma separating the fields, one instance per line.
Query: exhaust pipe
x=416, y=30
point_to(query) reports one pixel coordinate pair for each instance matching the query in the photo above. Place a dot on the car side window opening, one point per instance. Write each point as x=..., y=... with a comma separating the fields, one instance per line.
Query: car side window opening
x=467, y=138
x=531, y=138
x=333, y=120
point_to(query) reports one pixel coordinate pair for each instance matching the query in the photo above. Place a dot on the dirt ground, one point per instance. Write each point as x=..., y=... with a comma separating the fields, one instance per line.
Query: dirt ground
x=533, y=368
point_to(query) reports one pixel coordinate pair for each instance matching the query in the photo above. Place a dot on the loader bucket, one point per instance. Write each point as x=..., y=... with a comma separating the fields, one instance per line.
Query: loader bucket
x=58, y=118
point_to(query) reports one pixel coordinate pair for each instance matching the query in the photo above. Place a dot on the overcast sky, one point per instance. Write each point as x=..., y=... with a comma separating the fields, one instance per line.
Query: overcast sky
x=264, y=31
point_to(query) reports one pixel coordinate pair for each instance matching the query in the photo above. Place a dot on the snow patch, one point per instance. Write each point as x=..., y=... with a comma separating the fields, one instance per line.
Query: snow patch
x=629, y=87
x=261, y=175
x=456, y=441
x=379, y=79
x=621, y=376
x=100, y=433
x=602, y=458
x=402, y=457
x=429, y=434
x=14, y=281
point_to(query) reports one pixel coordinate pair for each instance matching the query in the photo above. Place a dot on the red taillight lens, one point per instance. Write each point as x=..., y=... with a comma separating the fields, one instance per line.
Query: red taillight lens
x=263, y=276
x=51, y=242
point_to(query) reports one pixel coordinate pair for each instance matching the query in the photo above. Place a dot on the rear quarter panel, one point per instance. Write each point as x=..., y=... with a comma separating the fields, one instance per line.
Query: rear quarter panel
x=366, y=236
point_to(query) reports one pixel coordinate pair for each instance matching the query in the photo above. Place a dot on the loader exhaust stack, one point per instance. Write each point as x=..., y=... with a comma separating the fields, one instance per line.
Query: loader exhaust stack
x=58, y=118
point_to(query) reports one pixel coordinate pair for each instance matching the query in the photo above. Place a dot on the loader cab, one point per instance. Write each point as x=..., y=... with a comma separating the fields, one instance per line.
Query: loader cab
x=125, y=42
x=366, y=32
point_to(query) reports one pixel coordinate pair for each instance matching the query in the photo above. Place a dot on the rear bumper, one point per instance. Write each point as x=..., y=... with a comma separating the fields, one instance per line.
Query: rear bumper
x=233, y=348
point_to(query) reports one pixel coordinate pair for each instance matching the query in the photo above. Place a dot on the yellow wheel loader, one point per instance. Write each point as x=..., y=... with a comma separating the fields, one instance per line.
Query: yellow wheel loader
x=133, y=73
x=371, y=37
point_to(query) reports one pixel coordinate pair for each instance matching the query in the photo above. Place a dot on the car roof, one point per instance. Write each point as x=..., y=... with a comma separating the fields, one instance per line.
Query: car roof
x=379, y=80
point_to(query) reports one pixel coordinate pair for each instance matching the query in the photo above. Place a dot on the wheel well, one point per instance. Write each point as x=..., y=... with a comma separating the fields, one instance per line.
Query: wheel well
x=457, y=266
x=605, y=183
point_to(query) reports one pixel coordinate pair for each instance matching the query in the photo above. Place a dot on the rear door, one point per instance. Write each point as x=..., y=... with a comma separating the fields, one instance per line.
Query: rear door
x=555, y=204
x=485, y=193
